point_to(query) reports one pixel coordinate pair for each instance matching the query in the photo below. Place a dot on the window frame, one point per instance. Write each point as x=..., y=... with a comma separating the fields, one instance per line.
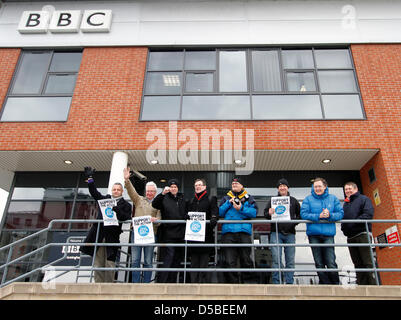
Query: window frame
x=43, y=85
x=250, y=85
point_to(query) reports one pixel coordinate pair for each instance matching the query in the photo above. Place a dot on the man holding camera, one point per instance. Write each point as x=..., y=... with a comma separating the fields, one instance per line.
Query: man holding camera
x=237, y=205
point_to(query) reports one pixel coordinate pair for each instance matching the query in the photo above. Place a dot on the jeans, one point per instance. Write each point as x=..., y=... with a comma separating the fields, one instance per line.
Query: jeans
x=136, y=253
x=289, y=253
x=325, y=257
x=362, y=258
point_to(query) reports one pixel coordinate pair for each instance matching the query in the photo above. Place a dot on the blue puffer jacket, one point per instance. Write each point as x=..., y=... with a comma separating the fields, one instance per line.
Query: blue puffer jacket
x=248, y=210
x=311, y=208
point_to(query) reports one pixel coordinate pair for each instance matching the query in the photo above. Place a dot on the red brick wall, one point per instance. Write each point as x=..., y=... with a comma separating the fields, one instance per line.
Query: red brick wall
x=106, y=105
x=109, y=88
x=378, y=69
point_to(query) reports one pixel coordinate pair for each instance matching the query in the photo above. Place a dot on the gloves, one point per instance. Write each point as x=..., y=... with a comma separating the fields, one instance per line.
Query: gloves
x=88, y=171
x=213, y=221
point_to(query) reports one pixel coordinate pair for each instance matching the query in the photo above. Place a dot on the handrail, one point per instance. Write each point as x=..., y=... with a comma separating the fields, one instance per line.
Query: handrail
x=186, y=245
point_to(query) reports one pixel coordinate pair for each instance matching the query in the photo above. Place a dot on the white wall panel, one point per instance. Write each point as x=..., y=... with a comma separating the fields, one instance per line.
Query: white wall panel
x=237, y=23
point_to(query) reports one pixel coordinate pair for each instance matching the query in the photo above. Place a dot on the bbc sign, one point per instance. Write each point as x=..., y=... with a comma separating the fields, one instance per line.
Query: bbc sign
x=67, y=21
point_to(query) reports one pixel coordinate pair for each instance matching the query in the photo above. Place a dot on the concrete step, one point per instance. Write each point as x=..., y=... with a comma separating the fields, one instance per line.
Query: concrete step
x=159, y=291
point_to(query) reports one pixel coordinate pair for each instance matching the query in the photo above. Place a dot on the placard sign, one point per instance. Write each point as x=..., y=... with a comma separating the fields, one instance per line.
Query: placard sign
x=196, y=225
x=281, y=206
x=143, y=230
x=109, y=216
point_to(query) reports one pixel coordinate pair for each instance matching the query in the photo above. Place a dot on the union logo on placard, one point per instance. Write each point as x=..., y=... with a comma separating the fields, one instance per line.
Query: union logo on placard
x=109, y=212
x=143, y=231
x=196, y=226
x=279, y=210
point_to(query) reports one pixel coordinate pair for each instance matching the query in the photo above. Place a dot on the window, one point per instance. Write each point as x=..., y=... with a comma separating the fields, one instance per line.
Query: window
x=42, y=87
x=251, y=84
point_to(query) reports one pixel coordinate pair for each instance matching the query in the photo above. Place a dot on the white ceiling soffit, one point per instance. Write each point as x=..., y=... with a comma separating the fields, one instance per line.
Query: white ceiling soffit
x=350, y=159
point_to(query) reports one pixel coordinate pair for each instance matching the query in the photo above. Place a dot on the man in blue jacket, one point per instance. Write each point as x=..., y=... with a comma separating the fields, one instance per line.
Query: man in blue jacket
x=321, y=206
x=237, y=205
x=358, y=206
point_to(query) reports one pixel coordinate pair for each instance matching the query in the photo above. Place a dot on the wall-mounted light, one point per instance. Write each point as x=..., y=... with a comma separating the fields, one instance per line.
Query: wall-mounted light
x=67, y=161
x=238, y=161
x=326, y=161
x=154, y=162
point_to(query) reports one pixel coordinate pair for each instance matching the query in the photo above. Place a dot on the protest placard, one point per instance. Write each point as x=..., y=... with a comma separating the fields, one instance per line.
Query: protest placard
x=143, y=230
x=109, y=216
x=281, y=206
x=196, y=225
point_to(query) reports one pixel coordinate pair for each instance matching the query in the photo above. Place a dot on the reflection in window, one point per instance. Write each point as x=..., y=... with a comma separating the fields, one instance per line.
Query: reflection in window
x=166, y=61
x=200, y=60
x=163, y=83
x=286, y=107
x=42, y=86
x=37, y=215
x=342, y=106
x=60, y=83
x=328, y=58
x=298, y=59
x=337, y=81
x=31, y=72
x=266, y=71
x=232, y=71
x=301, y=81
x=199, y=82
x=36, y=109
x=226, y=80
x=216, y=107
x=161, y=108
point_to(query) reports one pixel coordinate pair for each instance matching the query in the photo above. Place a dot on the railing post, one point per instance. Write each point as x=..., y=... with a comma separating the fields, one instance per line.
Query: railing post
x=6, y=268
x=371, y=254
x=278, y=254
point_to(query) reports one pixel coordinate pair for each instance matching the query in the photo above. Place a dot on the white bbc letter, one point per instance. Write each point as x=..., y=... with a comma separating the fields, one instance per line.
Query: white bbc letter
x=34, y=22
x=96, y=21
x=65, y=21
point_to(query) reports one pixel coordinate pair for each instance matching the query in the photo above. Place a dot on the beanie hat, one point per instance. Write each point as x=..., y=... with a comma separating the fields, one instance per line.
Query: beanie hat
x=173, y=181
x=282, y=181
x=237, y=179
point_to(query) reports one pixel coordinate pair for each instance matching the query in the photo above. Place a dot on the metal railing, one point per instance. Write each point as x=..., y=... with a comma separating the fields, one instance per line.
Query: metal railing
x=185, y=269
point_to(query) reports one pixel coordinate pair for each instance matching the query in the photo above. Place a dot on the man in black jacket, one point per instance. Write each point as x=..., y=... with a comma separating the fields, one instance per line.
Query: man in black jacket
x=201, y=202
x=105, y=256
x=172, y=206
x=358, y=206
x=285, y=234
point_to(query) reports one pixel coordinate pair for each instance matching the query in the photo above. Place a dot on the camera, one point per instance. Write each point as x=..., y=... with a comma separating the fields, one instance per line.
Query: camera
x=237, y=201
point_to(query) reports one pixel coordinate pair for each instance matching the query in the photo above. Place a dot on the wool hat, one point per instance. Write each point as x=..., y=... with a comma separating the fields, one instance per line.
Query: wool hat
x=237, y=179
x=173, y=181
x=283, y=181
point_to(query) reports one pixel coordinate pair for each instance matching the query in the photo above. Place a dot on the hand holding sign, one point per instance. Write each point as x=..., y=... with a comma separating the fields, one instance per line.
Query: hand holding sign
x=281, y=207
x=143, y=230
x=109, y=216
x=195, y=228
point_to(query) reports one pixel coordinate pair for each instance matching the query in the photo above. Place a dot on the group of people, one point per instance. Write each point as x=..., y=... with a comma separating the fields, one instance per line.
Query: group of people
x=321, y=208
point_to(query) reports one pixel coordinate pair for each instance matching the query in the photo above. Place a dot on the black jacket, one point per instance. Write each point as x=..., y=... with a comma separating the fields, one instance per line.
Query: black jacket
x=171, y=208
x=111, y=234
x=285, y=228
x=209, y=206
x=359, y=206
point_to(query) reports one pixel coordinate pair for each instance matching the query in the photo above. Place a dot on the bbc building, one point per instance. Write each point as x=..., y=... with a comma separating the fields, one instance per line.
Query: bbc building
x=197, y=89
